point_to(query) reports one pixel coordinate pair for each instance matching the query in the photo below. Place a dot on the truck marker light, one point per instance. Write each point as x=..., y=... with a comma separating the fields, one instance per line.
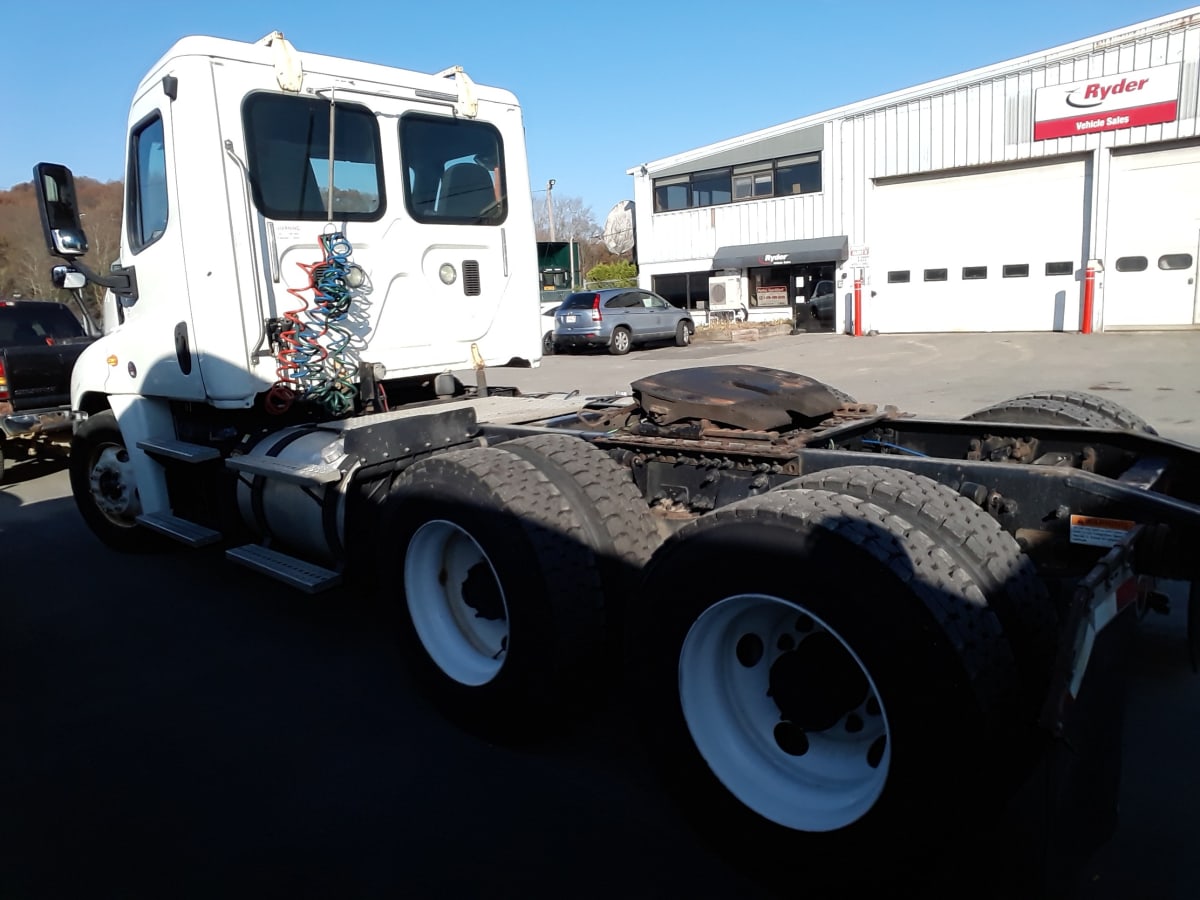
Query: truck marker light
x=112, y=360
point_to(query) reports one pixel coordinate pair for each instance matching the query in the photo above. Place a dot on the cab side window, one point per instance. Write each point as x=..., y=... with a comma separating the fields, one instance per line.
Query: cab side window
x=147, y=211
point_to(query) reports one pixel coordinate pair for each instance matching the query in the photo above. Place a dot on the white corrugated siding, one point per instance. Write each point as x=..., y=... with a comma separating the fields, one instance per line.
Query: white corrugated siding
x=979, y=122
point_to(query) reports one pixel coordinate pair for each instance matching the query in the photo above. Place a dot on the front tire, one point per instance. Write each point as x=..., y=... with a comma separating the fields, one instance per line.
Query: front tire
x=104, y=486
x=683, y=334
x=838, y=683
x=620, y=342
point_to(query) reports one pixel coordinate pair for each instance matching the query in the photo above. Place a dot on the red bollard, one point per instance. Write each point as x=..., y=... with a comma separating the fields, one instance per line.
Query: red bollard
x=1089, y=299
x=858, y=307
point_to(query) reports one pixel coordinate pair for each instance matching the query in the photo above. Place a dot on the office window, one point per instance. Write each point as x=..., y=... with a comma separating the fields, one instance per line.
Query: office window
x=672, y=193
x=1020, y=270
x=798, y=175
x=1060, y=268
x=974, y=273
x=1175, y=261
x=935, y=274
x=900, y=277
x=1132, y=264
x=712, y=188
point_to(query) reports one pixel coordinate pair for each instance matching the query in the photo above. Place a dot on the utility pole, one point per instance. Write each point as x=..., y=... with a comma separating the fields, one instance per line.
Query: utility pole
x=550, y=205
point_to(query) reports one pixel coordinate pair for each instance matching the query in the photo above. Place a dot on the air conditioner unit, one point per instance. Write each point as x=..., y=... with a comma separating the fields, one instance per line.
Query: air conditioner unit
x=725, y=292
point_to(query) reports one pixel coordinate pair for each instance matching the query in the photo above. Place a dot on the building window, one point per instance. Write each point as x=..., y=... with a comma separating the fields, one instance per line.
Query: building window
x=974, y=273
x=898, y=277
x=1175, y=261
x=1132, y=264
x=712, y=188
x=753, y=181
x=935, y=274
x=1060, y=268
x=1020, y=270
x=798, y=175
x=672, y=193
x=688, y=290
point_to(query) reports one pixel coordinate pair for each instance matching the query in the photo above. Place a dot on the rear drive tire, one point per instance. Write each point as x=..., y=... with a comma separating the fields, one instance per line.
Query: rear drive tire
x=617, y=523
x=620, y=342
x=976, y=541
x=499, y=598
x=815, y=676
x=1117, y=414
x=104, y=487
x=1061, y=408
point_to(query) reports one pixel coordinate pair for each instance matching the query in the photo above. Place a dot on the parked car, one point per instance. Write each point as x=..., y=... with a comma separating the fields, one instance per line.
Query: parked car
x=548, y=311
x=618, y=318
x=823, y=303
x=39, y=343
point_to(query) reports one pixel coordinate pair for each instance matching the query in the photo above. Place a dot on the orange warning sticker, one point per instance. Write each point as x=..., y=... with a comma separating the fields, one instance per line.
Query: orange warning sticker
x=1097, y=532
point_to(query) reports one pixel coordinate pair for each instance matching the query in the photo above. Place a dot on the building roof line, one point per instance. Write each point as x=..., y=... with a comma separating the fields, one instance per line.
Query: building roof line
x=1180, y=19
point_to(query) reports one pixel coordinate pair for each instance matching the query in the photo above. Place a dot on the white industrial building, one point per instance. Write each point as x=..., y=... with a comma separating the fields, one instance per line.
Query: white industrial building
x=973, y=203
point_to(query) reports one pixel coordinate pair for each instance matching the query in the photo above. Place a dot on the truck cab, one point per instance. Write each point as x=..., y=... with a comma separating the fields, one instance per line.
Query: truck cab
x=240, y=156
x=301, y=234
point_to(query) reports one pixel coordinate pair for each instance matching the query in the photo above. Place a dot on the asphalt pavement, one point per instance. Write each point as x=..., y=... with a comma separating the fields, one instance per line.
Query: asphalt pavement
x=174, y=726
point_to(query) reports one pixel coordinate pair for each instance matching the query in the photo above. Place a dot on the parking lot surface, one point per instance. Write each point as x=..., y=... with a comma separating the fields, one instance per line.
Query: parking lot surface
x=174, y=726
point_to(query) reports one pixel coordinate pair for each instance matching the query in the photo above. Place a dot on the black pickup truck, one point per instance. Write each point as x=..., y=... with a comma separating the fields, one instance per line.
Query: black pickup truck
x=39, y=343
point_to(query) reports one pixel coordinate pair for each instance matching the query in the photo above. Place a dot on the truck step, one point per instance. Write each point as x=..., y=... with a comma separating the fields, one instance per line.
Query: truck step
x=180, y=450
x=180, y=529
x=309, y=475
x=306, y=576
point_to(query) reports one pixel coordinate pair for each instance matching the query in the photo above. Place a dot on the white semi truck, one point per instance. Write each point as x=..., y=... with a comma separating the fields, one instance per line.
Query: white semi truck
x=837, y=619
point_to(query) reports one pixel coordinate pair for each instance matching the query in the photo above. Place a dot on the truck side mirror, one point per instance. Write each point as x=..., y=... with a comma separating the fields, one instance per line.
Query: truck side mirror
x=68, y=278
x=55, y=188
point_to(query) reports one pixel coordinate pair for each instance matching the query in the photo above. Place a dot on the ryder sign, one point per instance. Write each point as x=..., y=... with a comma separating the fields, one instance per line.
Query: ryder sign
x=1145, y=97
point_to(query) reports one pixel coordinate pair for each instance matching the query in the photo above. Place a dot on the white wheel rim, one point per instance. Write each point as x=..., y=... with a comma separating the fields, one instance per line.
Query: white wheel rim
x=467, y=643
x=741, y=732
x=622, y=341
x=113, y=486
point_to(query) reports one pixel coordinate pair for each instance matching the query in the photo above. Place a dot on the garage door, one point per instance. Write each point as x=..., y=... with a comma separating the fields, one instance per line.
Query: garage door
x=993, y=251
x=1153, y=239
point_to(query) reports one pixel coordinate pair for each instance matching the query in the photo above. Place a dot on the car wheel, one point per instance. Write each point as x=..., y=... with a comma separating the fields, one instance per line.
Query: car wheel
x=548, y=344
x=620, y=343
x=683, y=334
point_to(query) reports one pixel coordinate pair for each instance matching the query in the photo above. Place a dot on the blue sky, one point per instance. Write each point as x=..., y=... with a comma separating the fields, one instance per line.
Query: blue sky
x=604, y=86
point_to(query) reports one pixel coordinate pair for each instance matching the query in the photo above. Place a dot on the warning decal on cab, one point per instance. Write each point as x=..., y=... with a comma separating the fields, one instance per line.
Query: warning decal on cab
x=1097, y=532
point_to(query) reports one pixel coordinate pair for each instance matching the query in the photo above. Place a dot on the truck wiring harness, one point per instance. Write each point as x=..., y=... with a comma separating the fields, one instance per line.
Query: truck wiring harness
x=314, y=364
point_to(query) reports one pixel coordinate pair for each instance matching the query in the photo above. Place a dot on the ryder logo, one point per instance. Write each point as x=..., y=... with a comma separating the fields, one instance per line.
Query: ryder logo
x=1096, y=93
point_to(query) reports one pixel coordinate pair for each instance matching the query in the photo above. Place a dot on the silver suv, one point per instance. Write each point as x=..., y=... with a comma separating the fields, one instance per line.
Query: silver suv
x=618, y=318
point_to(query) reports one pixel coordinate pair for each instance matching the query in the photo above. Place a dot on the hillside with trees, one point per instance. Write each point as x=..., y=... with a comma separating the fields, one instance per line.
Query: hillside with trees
x=24, y=263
